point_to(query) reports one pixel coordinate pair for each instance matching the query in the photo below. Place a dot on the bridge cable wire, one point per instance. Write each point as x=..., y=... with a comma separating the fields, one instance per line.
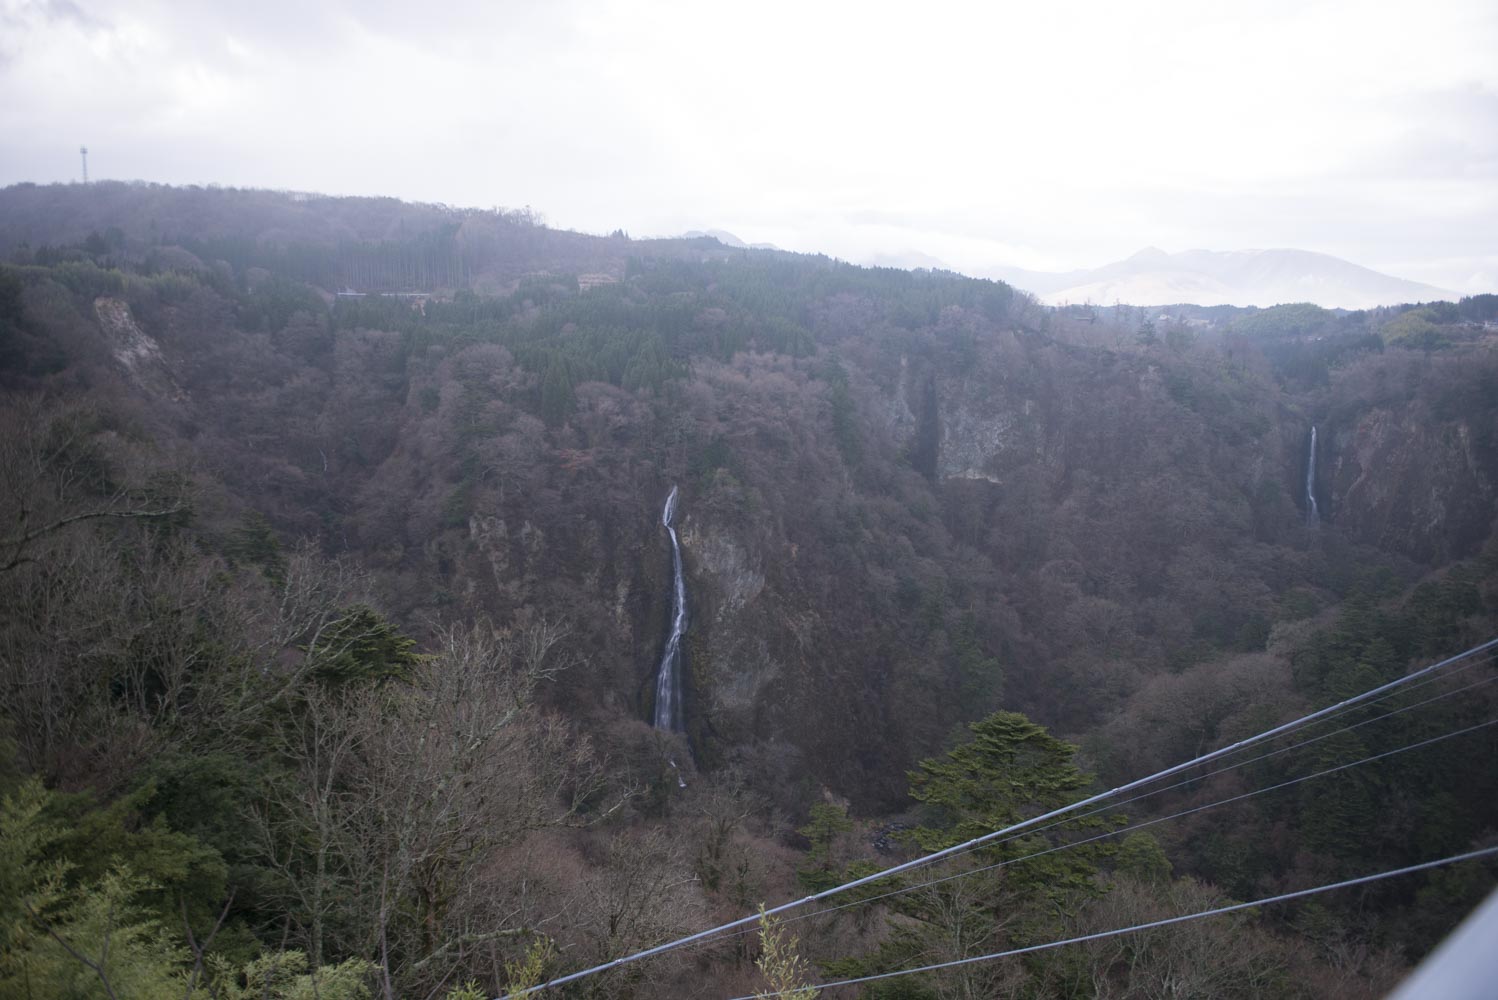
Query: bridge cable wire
x=728, y=936
x=1254, y=760
x=1250, y=760
x=1127, y=829
x=1135, y=826
x=1488, y=658
x=1330, y=711
x=1183, y=918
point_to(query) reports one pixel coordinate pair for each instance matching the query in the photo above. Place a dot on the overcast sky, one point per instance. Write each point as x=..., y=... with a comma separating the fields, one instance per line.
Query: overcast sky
x=1052, y=135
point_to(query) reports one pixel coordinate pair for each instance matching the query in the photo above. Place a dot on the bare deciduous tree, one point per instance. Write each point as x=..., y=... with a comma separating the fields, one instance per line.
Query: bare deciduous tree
x=405, y=791
x=640, y=892
x=61, y=469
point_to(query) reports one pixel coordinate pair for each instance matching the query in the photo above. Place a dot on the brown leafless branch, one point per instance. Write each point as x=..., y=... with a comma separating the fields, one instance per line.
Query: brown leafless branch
x=198, y=950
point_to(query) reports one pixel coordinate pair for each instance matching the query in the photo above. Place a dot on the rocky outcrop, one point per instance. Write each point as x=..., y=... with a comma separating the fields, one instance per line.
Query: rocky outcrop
x=975, y=434
x=135, y=350
x=1403, y=482
x=729, y=570
x=733, y=666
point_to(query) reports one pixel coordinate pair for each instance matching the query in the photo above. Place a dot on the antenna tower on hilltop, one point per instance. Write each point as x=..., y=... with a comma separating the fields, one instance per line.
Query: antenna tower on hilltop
x=83, y=151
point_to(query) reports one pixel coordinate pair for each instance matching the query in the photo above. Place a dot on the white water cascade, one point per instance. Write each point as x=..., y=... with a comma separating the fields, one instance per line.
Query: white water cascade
x=1313, y=514
x=668, y=676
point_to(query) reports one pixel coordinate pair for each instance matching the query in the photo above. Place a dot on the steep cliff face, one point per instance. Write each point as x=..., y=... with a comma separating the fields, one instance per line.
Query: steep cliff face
x=1403, y=482
x=903, y=504
x=986, y=432
x=734, y=668
x=1412, y=464
x=1094, y=516
x=135, y=350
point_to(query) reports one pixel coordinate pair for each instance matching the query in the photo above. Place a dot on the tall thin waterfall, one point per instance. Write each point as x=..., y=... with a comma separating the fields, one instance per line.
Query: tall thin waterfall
x=1313, y=514
x=668, y=675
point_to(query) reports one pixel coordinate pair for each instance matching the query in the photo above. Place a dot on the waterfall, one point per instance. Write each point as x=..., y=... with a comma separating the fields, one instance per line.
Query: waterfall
x=1313, y=514
x=668, y=676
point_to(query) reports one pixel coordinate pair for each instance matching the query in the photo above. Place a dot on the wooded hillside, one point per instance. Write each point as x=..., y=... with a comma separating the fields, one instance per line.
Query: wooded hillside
x=330, y=621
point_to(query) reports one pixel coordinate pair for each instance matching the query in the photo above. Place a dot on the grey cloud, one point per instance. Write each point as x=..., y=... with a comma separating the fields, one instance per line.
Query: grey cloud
x=308, y=28
x=66, y=10
x=18, y=25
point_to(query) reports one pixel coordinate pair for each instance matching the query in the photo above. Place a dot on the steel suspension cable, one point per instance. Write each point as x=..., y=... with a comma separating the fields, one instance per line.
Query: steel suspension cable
x=1268, y=734
x=1113, y=833
x=728, y=935
x=1168, y=921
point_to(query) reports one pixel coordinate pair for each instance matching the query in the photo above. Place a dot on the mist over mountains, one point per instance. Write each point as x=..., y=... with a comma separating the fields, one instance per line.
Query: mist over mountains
x=1153, y=277
x=726, y=238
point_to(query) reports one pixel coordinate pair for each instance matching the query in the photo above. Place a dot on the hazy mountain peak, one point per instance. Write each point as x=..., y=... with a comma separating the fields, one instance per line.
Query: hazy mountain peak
x=1253, y=277
x=726, y=238
x=1149, y=254
x=723, y=236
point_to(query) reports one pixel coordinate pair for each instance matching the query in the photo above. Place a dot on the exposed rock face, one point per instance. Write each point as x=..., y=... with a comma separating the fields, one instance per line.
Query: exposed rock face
x=896, y=415
x=1404, y=476
x=136, y=350
x=1401, y=481
x=733, y=667
x=491, y=539
x=730, y=571
x=977, y=429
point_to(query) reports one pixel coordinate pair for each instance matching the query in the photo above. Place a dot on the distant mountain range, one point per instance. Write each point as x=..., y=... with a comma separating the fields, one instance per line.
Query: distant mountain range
x=1153, y=277
x=727, y=239
x=1236, y=277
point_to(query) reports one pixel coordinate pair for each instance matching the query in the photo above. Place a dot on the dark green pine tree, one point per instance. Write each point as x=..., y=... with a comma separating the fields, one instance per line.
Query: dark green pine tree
x=1011, y=769
x=1013, y=893
x=826, y=823
x=362, y=645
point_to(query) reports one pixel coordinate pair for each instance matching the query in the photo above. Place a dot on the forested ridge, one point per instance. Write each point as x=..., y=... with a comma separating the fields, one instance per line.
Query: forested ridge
x=335, y=582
